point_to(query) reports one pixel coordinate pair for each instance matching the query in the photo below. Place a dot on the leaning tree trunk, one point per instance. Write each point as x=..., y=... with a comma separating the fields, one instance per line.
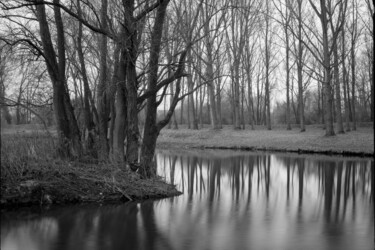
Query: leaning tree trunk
x=88, y=117
x=150, y=134
x=67, y=127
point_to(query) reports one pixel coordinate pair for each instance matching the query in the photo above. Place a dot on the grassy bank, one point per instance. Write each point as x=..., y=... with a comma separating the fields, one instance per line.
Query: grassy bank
x=32, y=175
x=360, y=142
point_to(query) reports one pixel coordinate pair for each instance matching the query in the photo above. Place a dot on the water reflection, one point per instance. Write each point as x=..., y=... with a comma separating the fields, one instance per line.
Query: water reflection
x=231, y=200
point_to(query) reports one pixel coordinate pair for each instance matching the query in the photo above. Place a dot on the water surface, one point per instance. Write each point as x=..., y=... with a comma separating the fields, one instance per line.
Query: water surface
x=231, y=200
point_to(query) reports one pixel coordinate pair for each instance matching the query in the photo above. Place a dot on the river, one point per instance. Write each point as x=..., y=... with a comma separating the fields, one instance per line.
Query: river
x=231, y=200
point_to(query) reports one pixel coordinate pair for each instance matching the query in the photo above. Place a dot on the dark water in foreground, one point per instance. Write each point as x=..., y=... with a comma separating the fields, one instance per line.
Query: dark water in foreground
x=231, y=200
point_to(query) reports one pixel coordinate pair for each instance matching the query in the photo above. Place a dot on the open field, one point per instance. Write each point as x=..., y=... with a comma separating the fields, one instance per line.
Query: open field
x=360, y=142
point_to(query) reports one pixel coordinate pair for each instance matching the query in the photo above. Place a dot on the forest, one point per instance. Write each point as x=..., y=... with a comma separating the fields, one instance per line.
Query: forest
x=110, y=75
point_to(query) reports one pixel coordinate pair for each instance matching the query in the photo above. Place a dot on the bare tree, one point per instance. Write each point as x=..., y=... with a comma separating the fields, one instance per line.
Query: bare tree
x=354, y=35
x=267, y=68
x=334, y=27
x=68, y=131
x=325, y=58
x=283, y=10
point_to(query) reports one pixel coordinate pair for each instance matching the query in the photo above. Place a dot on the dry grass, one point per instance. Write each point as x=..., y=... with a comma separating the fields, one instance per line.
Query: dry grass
x=32, y=174
x=279, y=139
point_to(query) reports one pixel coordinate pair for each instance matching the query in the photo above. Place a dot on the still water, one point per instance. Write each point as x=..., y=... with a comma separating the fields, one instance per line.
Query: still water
x=231, y=200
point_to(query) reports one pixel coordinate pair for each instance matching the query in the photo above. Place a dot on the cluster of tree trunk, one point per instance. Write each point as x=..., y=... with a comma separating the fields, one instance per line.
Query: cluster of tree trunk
x=110, y=128
x=220, y=60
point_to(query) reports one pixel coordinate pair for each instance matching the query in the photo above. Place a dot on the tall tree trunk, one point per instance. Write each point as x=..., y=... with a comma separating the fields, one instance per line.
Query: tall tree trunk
x=301, y=105
x=236, y=95
x=371, y=73
x=250, y=97
x=354, y=37
x=182, y=111
x=67, y=126
x=103, y=109
x=210, y=76
x=352, y=53
x=322, y=105
x=151, y=130
x=345, y=80
x=267, y=107
x=258, y=100
x=119, y=130
x=193, y=114
x=188, y=113
x=218, y=105
x=202, y=94
x=327, y=87
x=340, y=125
x=287, y=50
x=88, y=118
x=18, y=108
x=132, y=136
x=242, y=104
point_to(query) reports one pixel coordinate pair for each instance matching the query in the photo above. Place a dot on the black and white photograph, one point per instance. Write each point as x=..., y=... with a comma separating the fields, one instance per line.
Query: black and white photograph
x=187, y=124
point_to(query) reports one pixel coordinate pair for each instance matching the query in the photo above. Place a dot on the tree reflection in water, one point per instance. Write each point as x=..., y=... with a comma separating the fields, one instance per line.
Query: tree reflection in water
x=231, y=200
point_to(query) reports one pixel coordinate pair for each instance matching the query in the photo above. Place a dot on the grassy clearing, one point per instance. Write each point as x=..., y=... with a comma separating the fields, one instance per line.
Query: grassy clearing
x=31, y=174
x=360, y=142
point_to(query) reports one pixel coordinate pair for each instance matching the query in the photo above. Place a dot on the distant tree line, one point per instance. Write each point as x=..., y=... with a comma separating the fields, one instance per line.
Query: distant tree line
x=114, y=73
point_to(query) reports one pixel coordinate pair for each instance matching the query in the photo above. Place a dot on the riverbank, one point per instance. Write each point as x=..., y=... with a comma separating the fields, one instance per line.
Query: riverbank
x=313, y=140
x=31, y=175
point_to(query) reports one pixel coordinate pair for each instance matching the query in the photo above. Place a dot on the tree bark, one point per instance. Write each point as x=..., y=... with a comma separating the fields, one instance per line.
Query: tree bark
x=151, y=132
x=193, y=114
x=344, y=80
x=210, y=75
x=4, y=107
x=301, y=105
x=287, y=51
x=218, y=105
x=250, y=95
x=102, y=106
x=352, y=53
x=88, y=118
x=340, y=126
x=267, y=85
x=119, y=130
x=130, y=43
x=327, y=87
x=67, y=127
